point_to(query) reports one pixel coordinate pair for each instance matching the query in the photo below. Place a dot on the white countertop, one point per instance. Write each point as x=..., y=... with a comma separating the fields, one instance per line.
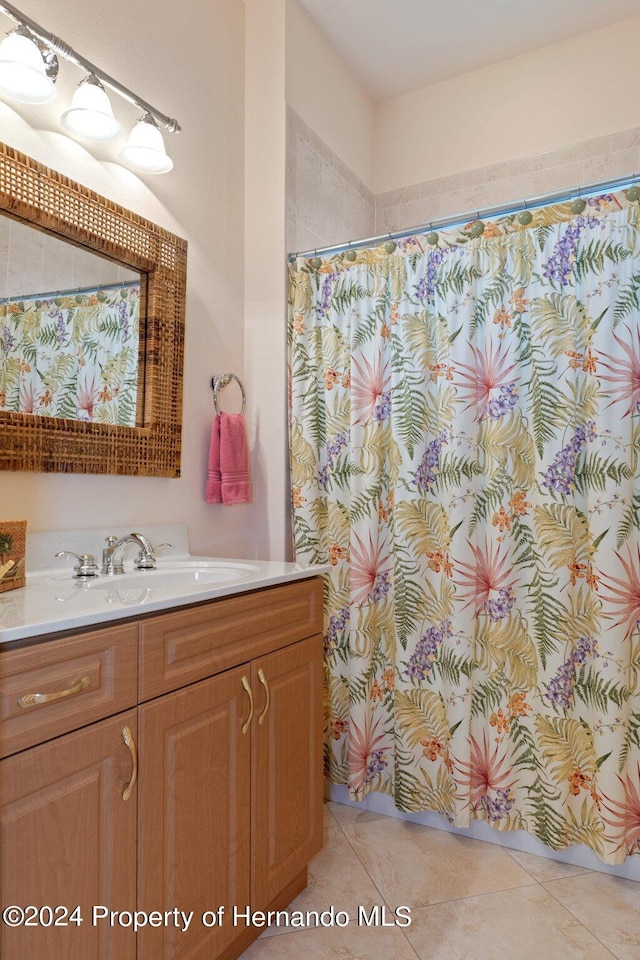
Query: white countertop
x=53, y=600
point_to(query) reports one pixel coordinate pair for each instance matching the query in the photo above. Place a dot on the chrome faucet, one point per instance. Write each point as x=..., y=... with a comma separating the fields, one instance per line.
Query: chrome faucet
x=144, y=561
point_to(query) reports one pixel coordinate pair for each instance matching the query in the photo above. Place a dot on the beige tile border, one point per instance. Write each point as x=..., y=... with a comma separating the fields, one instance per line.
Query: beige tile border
x=602, y=158
x=297, y=127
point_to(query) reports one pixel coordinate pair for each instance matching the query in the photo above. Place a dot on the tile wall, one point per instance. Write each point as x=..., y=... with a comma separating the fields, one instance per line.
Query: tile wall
x=326, y=202
x=580, y=164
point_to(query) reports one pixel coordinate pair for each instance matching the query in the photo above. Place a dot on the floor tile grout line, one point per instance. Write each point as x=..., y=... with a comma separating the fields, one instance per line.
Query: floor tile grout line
x=513, y=850
x=410, y=945
x=533, y=876
x=311, y=929
x=611, y=954
x=364, y=867
x=510, y=850
x=595, y=936
x=451, y=899
x=383, y=901
x=522, y=867
x=382, y=898
x=534, y=881
x=476, y=896
x=507, y=850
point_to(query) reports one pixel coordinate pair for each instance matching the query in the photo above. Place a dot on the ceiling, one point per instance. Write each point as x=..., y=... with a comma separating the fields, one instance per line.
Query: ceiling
x=396, y=46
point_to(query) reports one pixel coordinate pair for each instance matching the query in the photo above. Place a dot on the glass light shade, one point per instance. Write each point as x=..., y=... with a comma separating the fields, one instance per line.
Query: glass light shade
x=90, y=114
x=145, y=149
x=23, y=75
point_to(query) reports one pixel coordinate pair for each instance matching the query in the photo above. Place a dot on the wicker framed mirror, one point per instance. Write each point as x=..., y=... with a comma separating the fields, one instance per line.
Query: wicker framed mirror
x=49, y=202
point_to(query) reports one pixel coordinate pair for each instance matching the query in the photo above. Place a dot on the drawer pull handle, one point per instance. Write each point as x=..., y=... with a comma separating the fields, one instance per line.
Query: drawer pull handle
x=247, y=687
x=263, y=681
x=127, y=736
x=31, y=699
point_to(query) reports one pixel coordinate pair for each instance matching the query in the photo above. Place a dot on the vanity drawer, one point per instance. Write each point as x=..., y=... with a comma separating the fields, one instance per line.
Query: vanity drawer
x=189, y=645
x=78, y=680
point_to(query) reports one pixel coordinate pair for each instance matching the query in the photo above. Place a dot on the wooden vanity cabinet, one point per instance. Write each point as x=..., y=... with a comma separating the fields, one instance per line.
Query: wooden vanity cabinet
x=74, y=681
x=195, y=816
x=67, y=836
x=67, y=840
x=227, y=810
x=230, y=795
x=287, y=786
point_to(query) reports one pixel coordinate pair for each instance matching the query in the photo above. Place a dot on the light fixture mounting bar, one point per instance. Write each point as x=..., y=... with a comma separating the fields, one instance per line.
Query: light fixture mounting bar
x=64, y=50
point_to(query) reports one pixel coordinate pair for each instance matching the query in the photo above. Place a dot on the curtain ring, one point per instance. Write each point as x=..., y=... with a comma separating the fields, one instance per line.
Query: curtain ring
x=222, y=380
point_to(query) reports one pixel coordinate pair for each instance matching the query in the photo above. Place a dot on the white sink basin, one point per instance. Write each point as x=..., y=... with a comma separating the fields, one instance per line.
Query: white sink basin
x=175, y=575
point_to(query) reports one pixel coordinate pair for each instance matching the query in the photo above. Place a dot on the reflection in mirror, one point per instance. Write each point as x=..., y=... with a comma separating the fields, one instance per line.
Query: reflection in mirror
x=91, y=442
x=70, y=323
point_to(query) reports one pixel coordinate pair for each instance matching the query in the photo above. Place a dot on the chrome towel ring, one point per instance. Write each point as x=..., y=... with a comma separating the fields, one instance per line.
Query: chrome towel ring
x=222, y=380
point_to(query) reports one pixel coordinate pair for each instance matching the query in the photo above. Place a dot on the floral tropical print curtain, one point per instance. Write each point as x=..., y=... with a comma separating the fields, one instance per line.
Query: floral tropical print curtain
x=465, y=438
x=73, y=356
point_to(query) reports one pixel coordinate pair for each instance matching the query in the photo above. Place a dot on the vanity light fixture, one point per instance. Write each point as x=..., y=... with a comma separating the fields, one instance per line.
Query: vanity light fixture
x=23, y=71
x=91, y=114
x=145, y=148
x=28, y=68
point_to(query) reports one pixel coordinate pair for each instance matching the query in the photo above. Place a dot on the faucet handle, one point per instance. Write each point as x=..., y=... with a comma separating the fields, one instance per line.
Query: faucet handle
x=86, y=566
x=146, y=560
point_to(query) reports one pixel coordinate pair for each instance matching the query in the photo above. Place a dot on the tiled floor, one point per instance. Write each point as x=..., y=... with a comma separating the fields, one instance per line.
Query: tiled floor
x=469, y=900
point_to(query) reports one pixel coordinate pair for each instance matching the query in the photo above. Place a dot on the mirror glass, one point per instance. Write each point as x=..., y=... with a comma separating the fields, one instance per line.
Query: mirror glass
x=70, y=329
x=91, y=353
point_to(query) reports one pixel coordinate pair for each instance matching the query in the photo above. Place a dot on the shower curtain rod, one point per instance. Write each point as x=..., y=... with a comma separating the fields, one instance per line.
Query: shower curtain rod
x=459, y=219
x=95, y=288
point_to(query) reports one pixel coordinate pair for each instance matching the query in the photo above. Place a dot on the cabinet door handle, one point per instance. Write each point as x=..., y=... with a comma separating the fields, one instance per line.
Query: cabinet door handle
x=31, y=699
x=247, y=687
x=127, y=736
x=263, y=681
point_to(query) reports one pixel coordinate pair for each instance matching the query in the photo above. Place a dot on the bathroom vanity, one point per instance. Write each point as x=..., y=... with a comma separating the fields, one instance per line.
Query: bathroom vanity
x=166, y=761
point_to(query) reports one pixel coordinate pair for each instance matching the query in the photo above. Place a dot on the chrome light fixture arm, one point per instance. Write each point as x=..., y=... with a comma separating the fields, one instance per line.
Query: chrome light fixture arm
x=64, y=50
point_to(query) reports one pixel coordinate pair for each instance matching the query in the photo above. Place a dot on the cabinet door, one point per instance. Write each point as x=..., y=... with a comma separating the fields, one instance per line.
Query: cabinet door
x=194, y=816
x=83, y=679
x=69, y=839
x=287, y=786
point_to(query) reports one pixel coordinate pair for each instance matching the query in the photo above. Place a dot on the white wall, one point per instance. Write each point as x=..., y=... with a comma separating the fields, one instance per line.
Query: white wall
x=189, y=62
x=326, y=95
x=265, y=276
x=572, y=91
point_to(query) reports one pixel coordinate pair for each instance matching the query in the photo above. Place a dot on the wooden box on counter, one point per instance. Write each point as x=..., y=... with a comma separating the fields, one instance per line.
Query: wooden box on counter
x=13, y=535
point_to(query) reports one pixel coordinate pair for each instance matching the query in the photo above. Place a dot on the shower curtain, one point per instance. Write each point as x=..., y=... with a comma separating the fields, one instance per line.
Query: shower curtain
x=464, y=439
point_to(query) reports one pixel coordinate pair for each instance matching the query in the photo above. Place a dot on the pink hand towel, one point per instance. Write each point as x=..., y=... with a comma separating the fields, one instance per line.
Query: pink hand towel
x=213, y=488
x=234, y=459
